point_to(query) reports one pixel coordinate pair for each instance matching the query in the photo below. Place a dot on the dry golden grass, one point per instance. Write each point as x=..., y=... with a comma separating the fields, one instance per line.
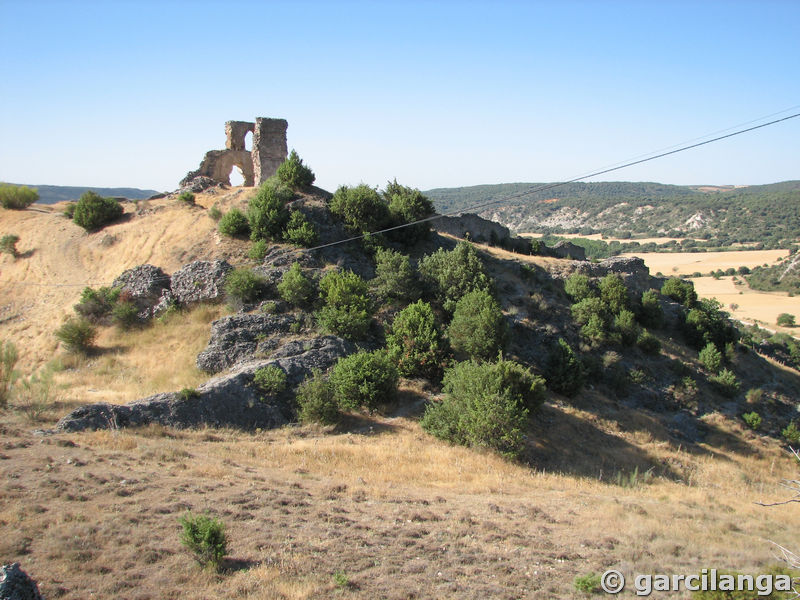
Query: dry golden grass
x=38, y=290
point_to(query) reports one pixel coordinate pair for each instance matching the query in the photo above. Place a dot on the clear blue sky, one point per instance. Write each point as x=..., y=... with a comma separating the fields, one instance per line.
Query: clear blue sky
x=436, y=94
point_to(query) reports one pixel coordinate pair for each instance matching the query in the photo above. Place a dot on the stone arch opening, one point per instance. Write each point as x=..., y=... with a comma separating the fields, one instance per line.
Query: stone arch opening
x=236, y=176
x=248, y=141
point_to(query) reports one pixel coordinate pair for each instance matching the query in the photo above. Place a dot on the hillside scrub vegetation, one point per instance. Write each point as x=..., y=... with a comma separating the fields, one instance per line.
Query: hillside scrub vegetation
x=17, y=197
x=346, y=305
x=449, y=275
x=293, y=173
x=93, y=211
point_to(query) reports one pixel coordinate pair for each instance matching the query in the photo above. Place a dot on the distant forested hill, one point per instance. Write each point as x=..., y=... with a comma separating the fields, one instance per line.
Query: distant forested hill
x=50, y=194
x=765, y=213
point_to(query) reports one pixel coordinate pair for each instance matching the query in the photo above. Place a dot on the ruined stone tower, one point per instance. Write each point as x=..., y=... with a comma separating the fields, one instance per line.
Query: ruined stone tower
x=269, y=151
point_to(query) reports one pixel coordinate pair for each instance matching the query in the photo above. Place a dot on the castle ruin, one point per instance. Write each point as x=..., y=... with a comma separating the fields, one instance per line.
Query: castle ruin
x=269, y=151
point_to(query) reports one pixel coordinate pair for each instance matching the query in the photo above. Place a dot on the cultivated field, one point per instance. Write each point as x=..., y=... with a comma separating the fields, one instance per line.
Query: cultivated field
x=686, y=263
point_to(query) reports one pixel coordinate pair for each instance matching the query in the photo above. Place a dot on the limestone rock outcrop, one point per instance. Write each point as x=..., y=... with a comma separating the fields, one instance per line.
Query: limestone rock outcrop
x=472, y=227
x=199, y=281
x=230, y=400
x=145, y=285
x=16, y=584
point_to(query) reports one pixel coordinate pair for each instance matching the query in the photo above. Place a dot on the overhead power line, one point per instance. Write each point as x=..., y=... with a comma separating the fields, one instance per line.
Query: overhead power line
x=532, y=190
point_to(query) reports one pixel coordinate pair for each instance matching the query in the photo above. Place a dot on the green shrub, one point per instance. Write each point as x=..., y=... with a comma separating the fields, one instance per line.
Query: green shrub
x=595, y=329
x=680, y=291
x=77, y=335
x=125, y=315
x=478, y=329
x=204, y=536
x=69, y=210
x=564, y=371
x=614, y=293
x=579, y=287
x=786, y=320
x=97, y=305
x=629, y=330
x=726, y=587
x=485, y=405
x=316, y=400
x=346, y=310
x=407, y=205
x=17, y=197
x=451, y=275
x=243, y=286
x=791, y=433
x=92, y=211
x=584, y=310
x=725, y=382
x=753, y=420
x=234, y=224
x=267, y=213
x=364, y=380
x=188, y=394
x=8, y=359
x=415, y=344
x=711, y=358
x=258, y=250
x=361, y=208
x=187, y=197
x=294, y=173
x=35, y=394
x=648, y=343
x=270, y=379
x=754, y=395
x=394, y=276
x=215, y=213
x=588, y=584
x=706, y=322
x=299, y=231
x=8, y=244
x=650, y=313
x=295, y=287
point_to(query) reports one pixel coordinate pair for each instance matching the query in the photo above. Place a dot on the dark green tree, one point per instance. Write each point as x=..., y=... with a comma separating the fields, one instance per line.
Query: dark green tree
x=478, y=329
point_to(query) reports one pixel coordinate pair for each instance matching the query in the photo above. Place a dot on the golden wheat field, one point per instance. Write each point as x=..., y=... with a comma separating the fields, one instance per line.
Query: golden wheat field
x=686, y=263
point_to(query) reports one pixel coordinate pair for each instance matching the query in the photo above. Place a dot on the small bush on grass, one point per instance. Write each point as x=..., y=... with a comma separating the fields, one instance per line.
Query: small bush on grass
x=725, y=383
x=347, y=309
x=786, y=320
x=791, y=433
x=485, y=405
x=299, y=231
x=35, y=394
x=93, y=211
x=270, y=379
x=648, y=343
x=215, y=213
x=187, y=198
x=8, y=360
x=588, y=584
x=711, y=358
x=267, y=213
x=394, y=276
x=316, y=400
x=97, y=305
x=77, y=335
x=753, y=420
x=188, y=394
x=295, y=287
x=17, y=197
x=294, y=173
x=564, y=371
x=234, y=224
x=415, y=344
x=364, y=380
x=8, y=244
x=125, y=315
x=204, y=536
x=478, y=329
x=242, y=286
x=258, y=250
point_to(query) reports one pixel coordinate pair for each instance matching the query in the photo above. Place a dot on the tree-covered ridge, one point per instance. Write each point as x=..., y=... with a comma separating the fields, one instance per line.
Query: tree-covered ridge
x=769, y=214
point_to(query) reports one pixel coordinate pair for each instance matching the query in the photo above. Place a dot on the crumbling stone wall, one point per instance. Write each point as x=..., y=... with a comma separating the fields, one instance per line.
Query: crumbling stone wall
x=269, y=147
x=269, y=151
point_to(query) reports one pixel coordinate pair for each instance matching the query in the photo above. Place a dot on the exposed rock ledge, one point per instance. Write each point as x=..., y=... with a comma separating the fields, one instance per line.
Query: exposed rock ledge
x=229, y=400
